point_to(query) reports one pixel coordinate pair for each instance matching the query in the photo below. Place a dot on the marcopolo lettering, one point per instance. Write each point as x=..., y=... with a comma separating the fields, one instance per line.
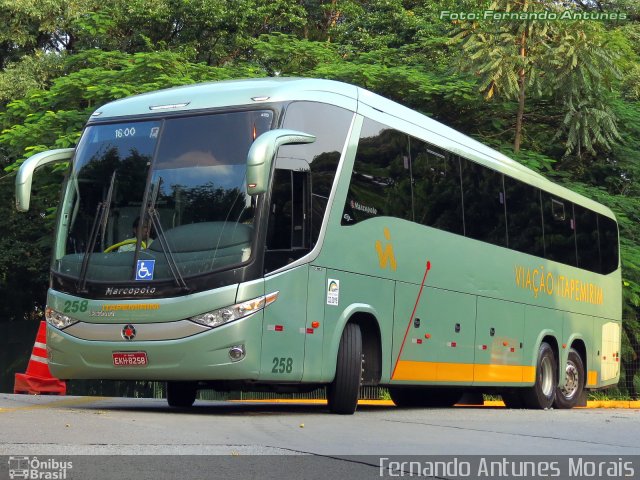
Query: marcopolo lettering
x=130, y=291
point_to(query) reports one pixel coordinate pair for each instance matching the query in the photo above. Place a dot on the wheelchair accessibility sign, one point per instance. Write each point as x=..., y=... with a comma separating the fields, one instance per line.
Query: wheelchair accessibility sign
x=144, y=269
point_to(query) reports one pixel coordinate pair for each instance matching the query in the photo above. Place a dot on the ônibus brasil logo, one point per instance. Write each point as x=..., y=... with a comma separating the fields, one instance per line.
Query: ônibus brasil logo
x=34, y=468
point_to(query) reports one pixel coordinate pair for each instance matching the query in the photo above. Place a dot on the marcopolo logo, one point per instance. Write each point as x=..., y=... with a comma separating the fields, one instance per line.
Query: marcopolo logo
x=35, y=468
x=130, y=291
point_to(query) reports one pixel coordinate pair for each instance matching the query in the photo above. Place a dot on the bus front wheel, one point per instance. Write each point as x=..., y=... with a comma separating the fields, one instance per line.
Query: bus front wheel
x=568, y=395
x=181, y=394
x=342, y=393
x=543, y=392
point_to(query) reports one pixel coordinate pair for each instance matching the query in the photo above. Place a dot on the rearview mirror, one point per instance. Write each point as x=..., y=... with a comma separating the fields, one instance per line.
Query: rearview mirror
x=25, y=173
x=261, y=154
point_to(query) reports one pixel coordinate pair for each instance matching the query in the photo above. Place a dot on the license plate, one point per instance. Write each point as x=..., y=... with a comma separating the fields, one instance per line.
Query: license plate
x=129, y=359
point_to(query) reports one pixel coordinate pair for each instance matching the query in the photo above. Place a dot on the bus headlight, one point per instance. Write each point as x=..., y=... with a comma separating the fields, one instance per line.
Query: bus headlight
x=225, y=315
x=57, y=319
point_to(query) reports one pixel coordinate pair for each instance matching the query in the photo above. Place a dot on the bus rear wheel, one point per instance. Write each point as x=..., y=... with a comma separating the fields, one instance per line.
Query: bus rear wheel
x=568, y=395
x=424, y=396
x=342, y=393
x=181, y=394
x=543, y=392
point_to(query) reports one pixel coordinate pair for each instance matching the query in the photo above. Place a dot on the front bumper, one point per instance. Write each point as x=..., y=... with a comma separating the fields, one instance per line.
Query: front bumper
x=201, y=356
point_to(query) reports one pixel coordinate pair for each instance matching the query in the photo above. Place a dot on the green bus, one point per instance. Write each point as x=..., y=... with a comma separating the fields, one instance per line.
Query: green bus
x=288, y=234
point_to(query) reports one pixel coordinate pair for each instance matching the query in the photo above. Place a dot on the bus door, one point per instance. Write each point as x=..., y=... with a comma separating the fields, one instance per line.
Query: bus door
x=438, y=346
x=284, y=326
x=285, y=320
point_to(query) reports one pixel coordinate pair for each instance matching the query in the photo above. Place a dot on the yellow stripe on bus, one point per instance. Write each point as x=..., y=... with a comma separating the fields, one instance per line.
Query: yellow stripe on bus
x=592, y=378
x=505, y=373
x=462, y=372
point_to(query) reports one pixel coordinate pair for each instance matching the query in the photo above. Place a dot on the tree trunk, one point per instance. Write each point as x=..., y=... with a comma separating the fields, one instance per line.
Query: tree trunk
x=521, y=93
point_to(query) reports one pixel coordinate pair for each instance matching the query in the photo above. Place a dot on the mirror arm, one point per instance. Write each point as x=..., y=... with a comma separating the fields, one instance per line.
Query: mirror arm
x=25, y=173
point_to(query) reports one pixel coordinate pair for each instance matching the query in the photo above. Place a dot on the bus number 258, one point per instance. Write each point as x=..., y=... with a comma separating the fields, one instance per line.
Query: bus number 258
x=282, y=365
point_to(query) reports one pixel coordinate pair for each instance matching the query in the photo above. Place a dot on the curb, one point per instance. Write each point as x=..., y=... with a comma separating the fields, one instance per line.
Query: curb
x=628, y=404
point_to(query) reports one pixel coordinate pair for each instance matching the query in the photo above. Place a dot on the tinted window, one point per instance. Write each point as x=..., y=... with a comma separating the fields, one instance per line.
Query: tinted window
x=182, y=176
x=381, y=180
x=484, y=208
x=608, y=243
x=401, y=176
x=280, y=212
x=330, y=125
x=436, y=187
x=524, y=217
x=302, y=181
x=587, y=241
x=559, y=233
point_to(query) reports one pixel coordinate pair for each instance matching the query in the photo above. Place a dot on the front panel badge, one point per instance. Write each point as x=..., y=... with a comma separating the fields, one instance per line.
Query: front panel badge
x=128, y=332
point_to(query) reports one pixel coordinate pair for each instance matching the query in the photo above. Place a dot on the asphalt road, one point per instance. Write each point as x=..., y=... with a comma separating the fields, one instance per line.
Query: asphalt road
x=113, y=427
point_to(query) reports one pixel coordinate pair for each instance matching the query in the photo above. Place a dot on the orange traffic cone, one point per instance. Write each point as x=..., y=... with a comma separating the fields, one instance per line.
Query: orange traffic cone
x=38, y=378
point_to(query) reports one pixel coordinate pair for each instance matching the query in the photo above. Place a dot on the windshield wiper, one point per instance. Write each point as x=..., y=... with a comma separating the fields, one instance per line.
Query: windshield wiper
x=171, y=261
x=99, y=224
x=152, y=212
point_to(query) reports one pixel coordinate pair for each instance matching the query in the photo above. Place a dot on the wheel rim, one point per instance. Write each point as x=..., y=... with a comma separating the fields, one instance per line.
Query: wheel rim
x=546, y=371
x=572, y=380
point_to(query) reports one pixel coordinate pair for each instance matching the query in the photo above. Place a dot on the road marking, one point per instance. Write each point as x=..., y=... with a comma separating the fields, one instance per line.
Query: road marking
x=67, y=402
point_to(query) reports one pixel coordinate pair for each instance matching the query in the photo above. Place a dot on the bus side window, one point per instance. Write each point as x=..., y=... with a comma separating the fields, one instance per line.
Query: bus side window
x=484, y=205
x=524, y=217
x=288, y=222
x=436, y=187
x=587, y=240
x=381, y=183
x=280, y=212
x=330, y=125
x=559, y=230
x=303, y=180
x=608, y=232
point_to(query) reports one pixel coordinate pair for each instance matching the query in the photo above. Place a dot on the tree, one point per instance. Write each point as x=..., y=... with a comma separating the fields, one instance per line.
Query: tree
x=574, y=59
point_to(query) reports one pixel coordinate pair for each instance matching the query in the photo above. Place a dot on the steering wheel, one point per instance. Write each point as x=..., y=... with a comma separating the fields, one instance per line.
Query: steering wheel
x=128, y=241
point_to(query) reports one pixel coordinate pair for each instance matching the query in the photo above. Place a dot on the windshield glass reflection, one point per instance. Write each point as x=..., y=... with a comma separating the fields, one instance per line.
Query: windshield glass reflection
x=166, y=199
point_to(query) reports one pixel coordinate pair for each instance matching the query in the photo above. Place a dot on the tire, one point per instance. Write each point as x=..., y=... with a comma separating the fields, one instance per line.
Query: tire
x=543, y=392
x=342, y=393
x=424, y=396
x=568, y=395
x=181, y=394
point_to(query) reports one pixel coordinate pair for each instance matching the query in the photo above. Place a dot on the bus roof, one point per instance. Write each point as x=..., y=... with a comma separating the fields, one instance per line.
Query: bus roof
x=203, y=96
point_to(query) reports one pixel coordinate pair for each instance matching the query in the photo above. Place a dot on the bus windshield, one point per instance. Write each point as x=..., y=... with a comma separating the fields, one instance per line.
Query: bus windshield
x=159, y=200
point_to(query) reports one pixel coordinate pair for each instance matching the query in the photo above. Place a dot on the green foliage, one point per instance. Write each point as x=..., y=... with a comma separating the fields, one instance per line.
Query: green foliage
x=585, y=61
x=281, y=54
x=573, y=62
x=30, y=73
x=53, y=118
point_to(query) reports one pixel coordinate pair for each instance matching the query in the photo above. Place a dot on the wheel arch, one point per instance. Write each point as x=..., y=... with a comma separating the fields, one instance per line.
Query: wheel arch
x=371, y=347
x=552, y=341
x=366, y=317
x=550, y=337
x=579, y=345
